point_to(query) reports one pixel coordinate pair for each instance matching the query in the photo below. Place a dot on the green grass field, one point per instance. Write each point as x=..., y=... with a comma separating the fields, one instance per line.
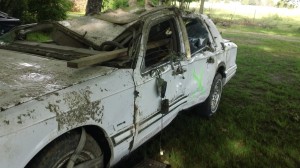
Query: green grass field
x=258, y=121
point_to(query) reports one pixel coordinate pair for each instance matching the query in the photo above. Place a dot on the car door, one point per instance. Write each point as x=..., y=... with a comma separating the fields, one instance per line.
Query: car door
x=159, y=77
x=202, y=66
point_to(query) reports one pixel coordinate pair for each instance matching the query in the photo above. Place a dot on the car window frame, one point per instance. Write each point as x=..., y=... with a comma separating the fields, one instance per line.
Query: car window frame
x=146, y=70
x=211, y=41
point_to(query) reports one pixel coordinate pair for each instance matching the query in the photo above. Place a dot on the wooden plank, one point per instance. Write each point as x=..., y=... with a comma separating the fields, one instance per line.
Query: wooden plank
x=96, y=59
x=103, y=57
x=59, y=47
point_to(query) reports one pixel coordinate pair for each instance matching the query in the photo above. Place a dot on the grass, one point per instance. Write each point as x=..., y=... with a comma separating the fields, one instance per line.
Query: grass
x=73, y=15
x=272, y=25
x=258, y=121
x=38, y=37
x=267, y=20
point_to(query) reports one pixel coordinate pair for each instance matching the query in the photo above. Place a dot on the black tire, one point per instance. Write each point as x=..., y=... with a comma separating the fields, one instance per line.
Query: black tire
x=58, y=152
x=210, y=105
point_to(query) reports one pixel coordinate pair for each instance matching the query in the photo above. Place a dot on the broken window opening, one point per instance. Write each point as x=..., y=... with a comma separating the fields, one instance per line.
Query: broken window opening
x=198, y=36
x=126, y=40
x=165, y=38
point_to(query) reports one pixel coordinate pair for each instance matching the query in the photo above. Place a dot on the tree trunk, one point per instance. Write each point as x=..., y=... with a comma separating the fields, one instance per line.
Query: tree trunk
x=93, y=7
x=159, y=2
x=147, y=4
x=181, y=6
x=132, y=3
x=201, y=6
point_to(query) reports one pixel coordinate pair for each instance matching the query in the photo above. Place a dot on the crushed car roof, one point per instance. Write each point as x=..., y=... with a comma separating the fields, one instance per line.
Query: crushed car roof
x=109, y=24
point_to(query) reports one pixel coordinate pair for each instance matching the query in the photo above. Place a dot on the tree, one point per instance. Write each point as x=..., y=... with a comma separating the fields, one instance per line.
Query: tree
x=146, y=4
x=93, y=7
x=36, y=10
x=49, y=9
x=13, y=8
x=288, y=3
x=181, y=5
x=201, y=6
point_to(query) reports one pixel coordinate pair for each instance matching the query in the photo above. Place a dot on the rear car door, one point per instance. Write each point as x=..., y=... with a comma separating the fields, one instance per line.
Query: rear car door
x=203, y=63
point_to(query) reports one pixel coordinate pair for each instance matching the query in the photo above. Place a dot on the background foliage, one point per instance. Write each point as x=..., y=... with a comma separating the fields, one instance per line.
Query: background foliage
x=36, y=10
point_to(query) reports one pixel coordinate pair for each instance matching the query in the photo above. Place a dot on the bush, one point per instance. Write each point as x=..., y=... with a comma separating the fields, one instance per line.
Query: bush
x=109, y=4
x=28, y=17
x=115, y=4
x=50, y=9
x=29, y=11
x=14, y=9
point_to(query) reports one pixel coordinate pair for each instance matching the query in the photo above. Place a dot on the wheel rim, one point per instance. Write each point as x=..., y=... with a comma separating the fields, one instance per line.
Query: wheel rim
x=83, y=157
x=216, y=96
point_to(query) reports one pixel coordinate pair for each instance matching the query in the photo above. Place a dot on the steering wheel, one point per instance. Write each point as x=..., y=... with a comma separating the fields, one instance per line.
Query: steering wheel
x=111, y=43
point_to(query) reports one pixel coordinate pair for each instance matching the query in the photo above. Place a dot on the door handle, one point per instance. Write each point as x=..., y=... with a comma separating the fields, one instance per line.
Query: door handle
x=210, y=60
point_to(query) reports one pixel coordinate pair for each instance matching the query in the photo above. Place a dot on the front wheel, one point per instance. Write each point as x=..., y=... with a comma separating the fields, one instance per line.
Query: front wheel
x=210, y=105
x=58, y=153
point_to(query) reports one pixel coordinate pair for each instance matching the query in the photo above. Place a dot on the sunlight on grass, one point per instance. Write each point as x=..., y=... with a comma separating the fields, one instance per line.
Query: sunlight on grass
x=72, y=15
x=174, y=157
x=237, y=147
x=265, y=48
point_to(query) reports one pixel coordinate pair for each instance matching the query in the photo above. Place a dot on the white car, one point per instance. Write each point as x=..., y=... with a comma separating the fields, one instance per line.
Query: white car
x=101, y=86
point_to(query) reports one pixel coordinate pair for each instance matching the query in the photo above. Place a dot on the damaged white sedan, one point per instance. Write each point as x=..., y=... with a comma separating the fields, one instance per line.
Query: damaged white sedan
x=101, y=86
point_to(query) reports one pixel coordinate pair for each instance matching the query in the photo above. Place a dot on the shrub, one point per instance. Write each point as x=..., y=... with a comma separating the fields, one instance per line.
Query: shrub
x=49, y=9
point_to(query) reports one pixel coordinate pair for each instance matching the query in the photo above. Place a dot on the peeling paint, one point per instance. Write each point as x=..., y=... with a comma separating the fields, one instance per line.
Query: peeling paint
x=22, y=117
x=81, y=109
x=6, y=122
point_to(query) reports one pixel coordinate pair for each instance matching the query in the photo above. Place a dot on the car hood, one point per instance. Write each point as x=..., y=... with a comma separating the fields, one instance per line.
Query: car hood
x=24, y=77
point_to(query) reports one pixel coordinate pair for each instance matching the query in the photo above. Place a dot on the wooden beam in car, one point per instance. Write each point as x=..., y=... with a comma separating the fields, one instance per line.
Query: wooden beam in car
x=110, y=55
